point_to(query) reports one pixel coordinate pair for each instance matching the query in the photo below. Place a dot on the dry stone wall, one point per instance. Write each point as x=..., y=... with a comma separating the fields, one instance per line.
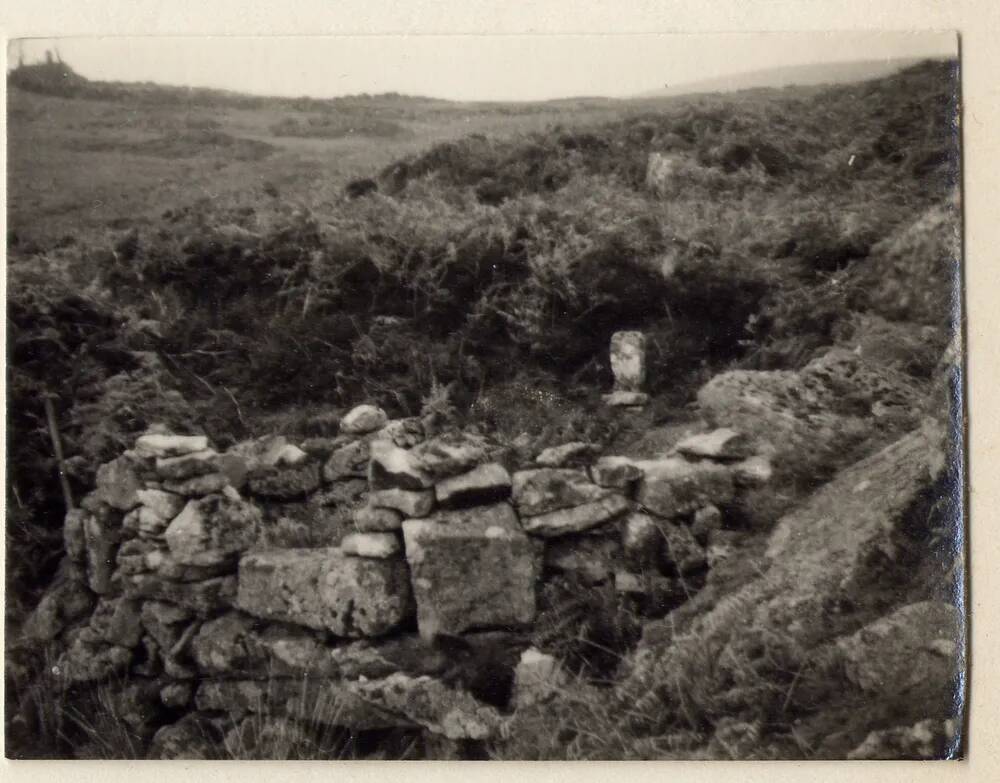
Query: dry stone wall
x=369, y=564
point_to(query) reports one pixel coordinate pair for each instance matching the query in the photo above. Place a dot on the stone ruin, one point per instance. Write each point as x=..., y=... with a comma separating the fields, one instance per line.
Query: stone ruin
x=220, y=580
x=367, y=580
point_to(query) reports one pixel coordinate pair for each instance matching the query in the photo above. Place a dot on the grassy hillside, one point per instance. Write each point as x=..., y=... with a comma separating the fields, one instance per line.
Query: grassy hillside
x=191, y=257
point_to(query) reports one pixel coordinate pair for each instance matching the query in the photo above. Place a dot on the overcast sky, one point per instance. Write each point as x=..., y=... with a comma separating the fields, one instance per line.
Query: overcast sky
x=465, y=67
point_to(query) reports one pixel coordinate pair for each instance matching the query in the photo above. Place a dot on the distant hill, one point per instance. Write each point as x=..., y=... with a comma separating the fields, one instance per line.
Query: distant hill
x=800, y=75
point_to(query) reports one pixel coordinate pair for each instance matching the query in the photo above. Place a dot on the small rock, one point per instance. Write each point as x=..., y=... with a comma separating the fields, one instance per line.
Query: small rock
x=449, y=455
x=187, y=466
x=369, y=519
x=558, y=456
x=642, y=542
x=348, y=461
x=290, y=455
x=378, y=545
x=723, y=443
x=204, y=597
x=409, y=504
x=537, y=677
x=118, y=482
x=752, y=472
x=550, y=489
x=926, y=740
x=157, y=445
x=209, y=530
x=593, y=559
x=394, y=468
x=673, y=486
x=189, y=740
x=483, y=485
x=199, y=486
x=578, y=518
x=176, y=694
x=626, y=399
x=167, y=505
x=706, y=520
x=615, y=473
x=234, y=468
x=682, y=554
x=285, y=482
x=363, y=419
x=405, y=433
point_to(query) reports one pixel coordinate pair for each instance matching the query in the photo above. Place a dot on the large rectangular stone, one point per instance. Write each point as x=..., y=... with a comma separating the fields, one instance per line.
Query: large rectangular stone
x=471, y=569
x=325, y=589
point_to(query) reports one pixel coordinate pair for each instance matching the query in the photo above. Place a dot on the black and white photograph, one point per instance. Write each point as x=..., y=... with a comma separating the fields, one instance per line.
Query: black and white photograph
x=494, y=397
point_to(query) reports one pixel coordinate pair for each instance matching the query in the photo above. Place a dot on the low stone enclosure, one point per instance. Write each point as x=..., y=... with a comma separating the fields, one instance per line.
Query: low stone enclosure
x=345, y=556
x=346, y=579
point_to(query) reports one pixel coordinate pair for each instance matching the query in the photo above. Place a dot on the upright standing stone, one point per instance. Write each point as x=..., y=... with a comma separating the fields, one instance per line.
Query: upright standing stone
x=628, y=360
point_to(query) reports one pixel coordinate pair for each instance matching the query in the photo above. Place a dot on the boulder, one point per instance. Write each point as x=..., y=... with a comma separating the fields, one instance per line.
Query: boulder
x=673, y=486
x=628, y=360
x=723, y=444
x=304, y=524
x=325, y=589
x=363, y=419
x=577, y=518
x=407, y=503
x=544, y=490
x=378, y=545
x=483, y=485
x=471, y=569
x=210, y=530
